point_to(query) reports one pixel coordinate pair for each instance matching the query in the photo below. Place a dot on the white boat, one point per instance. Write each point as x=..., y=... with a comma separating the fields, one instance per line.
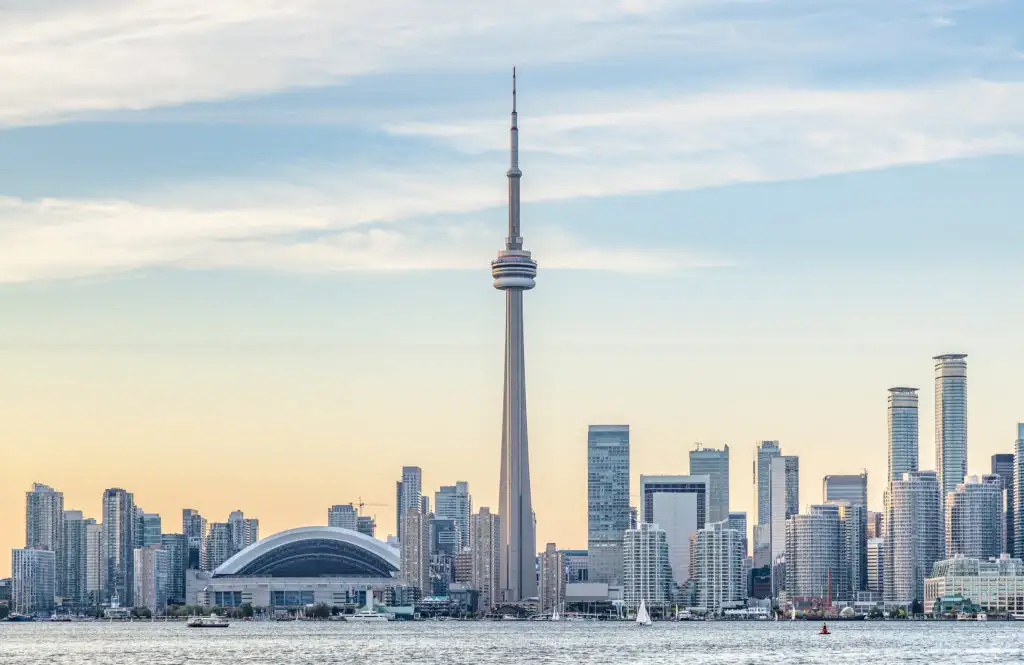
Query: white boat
x=555, y=616
x=642, y=617
x=369, y=614
x=982, y=616
x=212, y=621
x=792, y=617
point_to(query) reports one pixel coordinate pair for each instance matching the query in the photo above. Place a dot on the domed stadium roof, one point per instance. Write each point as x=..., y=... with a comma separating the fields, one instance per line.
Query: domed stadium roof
x=314, y=551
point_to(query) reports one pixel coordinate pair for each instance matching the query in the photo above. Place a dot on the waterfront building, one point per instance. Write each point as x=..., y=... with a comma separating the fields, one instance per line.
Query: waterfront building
x=149, y=530
x=720, y=577
x=1002, y=466
x=219, y=545
x=995, y=586
x=607, y=500
x=408, y=494
x=415, y=550
x=514, y=271
x=814, y=553
x=679, y=506
x=33, y=580
x=5, y=591
x=914, y=535
x=950, y=420
x=342, y=516
x=738, y=521
x=151, y=567
x=551, y=590
x=852, y=489
x=1018, y=492
x=120, y=523
x=194, y=526
x=876, y=566
x=293, y=569
x=646, y=569
x=486, y=541
x=784, y=484
x=577, y=564
x=454, y=502
x=766, y=451
x=853, y=571
x=93, y=562
x=903, y=432
x=176, y=546
x=76, y=551
x=44, y=524
x=714, y=464
x=366, y=525
x=974, y=518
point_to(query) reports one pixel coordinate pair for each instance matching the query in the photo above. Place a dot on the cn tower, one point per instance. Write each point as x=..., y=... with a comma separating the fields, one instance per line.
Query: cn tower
x=513, y=272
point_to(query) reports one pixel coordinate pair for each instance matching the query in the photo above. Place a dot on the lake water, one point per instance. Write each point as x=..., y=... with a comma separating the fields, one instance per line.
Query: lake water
x=481, y=643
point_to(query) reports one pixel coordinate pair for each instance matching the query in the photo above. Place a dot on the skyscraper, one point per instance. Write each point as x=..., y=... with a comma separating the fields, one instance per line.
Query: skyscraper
x=1002, y=465
x=721, y=583
x=950, y=420
x=94, y=562
x=44, y=524
x=913, y=538
x=514, y=271
x=679, y=505
x=218, y=545
x=486, y=540
x=813, y=553
x=876, y=565
x=415, y=550
x=903, y=432
x=646, y=571
x=33, y=580
x=366, y=525
x=551, y=592
x=738, y=521
x=176, y=546
x=342, y=516
x=714, y=464
x=974, y=518
x=408, y=493
x=150, y=576
x=853, y=544
x=784, y=482
x=453, y=502
x=444, y=537
x=607, y=500
x=194, y=528
x=119, y=532
x=76, y=550
x=149, y=530
x=766, y=450
x=852, y=489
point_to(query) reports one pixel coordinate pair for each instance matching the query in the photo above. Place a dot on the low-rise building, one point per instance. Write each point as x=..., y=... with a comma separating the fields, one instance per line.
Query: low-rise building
x=995, y=586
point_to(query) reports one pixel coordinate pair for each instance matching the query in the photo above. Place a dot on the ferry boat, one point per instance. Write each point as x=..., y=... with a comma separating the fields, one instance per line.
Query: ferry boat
x=369, y=614
x=212, y=621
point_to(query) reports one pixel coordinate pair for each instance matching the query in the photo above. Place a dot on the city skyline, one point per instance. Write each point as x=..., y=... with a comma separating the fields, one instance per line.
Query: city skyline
x=277, y=265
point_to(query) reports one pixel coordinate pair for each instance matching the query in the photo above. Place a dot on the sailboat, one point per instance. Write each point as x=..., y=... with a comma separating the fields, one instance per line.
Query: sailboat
x=792, y=617
x=555, y=616
x=642, y=617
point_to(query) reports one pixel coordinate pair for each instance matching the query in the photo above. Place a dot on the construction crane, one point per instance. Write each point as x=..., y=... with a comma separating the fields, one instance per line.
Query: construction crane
x=363, y=503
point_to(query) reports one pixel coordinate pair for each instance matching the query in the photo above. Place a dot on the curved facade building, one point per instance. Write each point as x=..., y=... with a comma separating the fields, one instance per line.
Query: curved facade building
x=301, y=567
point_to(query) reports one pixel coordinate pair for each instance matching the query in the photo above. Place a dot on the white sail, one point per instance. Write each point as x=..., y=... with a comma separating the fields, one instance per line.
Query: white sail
x=555, y=616
x=642, y=617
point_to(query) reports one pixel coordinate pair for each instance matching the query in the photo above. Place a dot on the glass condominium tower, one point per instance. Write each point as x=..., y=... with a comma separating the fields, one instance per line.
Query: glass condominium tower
x=607, y=501
x=950, y=420
x=766, y=450
x=903, y=432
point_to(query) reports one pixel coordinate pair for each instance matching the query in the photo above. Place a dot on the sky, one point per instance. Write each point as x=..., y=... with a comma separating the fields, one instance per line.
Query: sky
x=244, y=246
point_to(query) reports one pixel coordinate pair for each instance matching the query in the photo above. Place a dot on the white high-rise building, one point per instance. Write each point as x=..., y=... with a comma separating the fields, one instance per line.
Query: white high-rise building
x=33, y=581
x=415, y=550
x=814, y=553
x=120, y=524
x=766, y=451
x=914, y=535
x=679, y=506
x=485, y=539
x=646, y=569
x=974, y=518
x=408, y=494
x=44, y=524
x=784, y=495
x=76, y=551
x=454, y=502
x=342, y=516
x=738, y=521
x=551, y=591
x=218, y=544
x=853, y=565
x=950, y=420
x=94, y=562
x=1018, y=492
x=151, y=571
x=903, y=432
x=876, y=565
x=714, y=464
x=607, y=500
x=514, y=271
x=721, y=583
